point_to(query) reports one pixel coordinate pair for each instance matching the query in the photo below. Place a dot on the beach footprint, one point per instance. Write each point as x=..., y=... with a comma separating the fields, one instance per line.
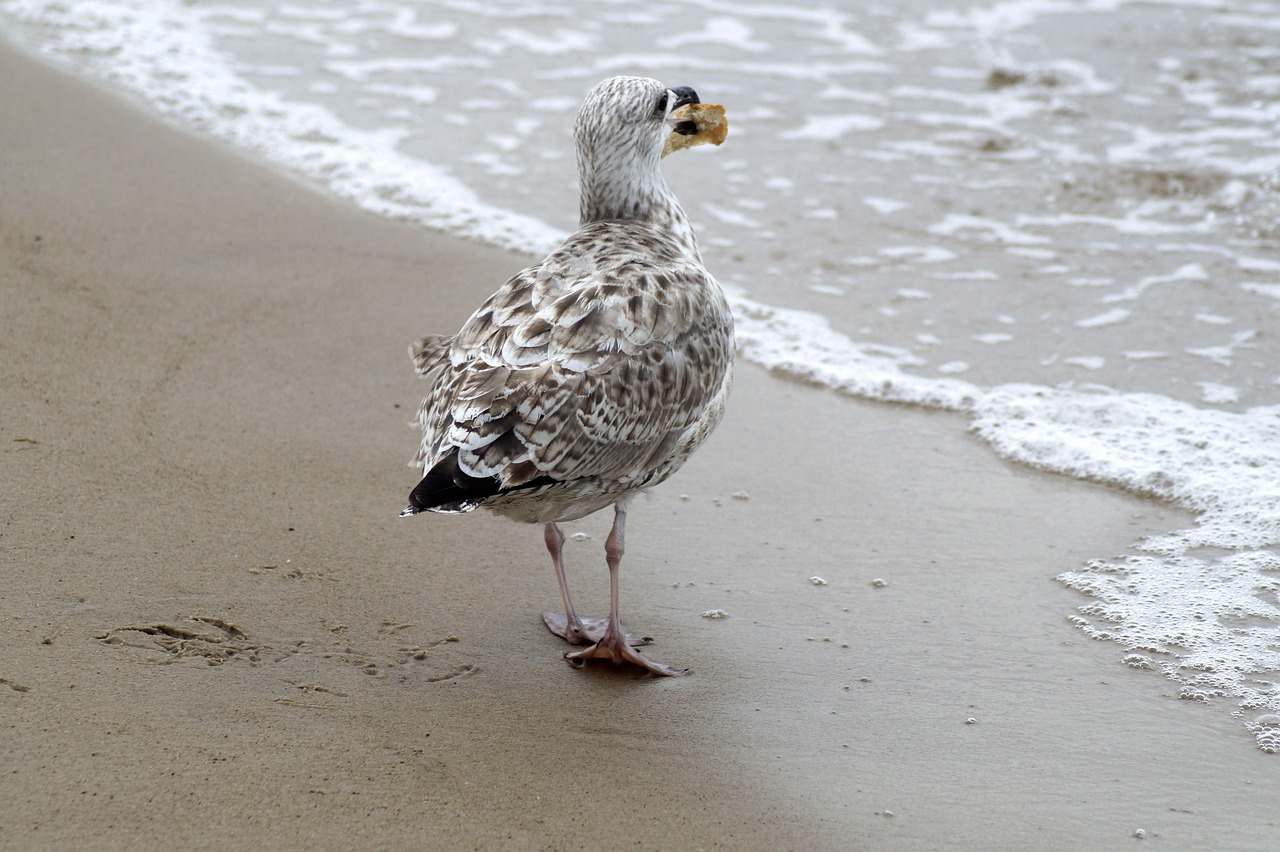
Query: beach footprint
x=313, y=667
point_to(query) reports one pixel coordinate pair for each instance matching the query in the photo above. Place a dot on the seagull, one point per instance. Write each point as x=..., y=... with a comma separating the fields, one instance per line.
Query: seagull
x=593, y=375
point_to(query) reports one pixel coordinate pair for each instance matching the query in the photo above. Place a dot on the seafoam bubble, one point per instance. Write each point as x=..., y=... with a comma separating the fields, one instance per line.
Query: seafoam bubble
x=1268, y=739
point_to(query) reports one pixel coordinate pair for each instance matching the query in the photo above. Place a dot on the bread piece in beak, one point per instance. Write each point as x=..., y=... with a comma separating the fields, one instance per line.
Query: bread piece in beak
x=696, y=124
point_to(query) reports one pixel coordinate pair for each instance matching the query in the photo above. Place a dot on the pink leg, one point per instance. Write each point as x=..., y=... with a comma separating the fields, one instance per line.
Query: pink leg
x=613, y=645
x=568, y=625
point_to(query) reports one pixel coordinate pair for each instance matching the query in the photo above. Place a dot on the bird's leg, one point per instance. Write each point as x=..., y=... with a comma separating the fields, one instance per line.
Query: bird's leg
x=615, y=644
x=568, y=625
x=565, y=624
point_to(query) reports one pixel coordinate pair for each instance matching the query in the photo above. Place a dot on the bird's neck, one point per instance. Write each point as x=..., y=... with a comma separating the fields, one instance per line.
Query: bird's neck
x=633, y=194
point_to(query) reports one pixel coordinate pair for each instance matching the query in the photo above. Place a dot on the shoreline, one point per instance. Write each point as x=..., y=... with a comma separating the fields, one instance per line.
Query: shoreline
x=218, y=629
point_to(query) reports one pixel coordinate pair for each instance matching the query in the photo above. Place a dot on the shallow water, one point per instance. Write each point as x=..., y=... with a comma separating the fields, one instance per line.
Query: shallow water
x=1060, y=217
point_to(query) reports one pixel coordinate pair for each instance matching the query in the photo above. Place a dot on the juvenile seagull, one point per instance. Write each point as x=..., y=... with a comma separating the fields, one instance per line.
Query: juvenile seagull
x=593, y=375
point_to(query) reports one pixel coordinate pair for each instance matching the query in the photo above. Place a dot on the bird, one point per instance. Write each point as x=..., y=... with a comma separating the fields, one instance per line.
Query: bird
x=592, y=375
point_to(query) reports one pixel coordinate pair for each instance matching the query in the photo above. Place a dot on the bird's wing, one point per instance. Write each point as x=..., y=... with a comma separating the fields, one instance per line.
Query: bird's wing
x=582, y=366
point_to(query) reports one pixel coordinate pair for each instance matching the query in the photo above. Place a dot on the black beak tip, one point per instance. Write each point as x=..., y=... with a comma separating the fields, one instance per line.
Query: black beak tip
x=684, y=95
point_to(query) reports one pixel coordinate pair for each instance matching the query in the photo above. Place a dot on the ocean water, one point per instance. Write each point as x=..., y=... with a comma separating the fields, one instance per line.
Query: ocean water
x=1060, y=217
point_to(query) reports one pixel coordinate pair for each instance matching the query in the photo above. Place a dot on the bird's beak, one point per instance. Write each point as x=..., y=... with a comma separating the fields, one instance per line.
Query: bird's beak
x=683, y=96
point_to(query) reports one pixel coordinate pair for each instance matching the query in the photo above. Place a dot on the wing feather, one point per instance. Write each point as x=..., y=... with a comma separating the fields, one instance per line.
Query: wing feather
x=590, y=364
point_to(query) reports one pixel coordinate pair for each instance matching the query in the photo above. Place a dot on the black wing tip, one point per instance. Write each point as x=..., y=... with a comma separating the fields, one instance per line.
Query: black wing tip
x=447, y=484
x=448, y=488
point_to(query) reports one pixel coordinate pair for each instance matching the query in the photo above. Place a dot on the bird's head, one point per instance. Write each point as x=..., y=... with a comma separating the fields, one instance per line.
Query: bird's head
x=628, y=119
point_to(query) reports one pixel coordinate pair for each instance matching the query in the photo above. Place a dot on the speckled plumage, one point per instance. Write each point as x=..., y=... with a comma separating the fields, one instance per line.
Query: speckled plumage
x=594, y=374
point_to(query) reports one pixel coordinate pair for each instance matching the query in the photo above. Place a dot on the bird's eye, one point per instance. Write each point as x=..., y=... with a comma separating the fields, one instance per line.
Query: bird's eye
x=661, y=108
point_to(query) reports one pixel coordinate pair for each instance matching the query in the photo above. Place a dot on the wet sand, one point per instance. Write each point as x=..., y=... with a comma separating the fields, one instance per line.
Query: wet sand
x=218, y=633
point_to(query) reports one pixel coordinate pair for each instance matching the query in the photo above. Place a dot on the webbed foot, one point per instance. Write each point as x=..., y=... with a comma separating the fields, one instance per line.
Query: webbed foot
x=585, y=629
x=616, y=647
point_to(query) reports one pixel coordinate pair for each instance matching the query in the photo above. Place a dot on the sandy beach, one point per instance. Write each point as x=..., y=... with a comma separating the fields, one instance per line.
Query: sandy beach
x=218, y=634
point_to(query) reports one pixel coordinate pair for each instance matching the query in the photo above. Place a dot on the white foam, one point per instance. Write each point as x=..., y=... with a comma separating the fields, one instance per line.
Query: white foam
x=1035, y=253
x=1111, y=317
x=1225, y=353
x=824, y=128
x=884, y=206
x=804, y=345
x=731, y=32
x=912, y=293
x=1257, y=264
x=1269, y=290
x=915, y=38
x=920, y=254
x=987, y=230
x=1134, y=222
x=1197, y=146
x=1187, y=272
x=827, y=289
x=973, y=275
x=1218, y=394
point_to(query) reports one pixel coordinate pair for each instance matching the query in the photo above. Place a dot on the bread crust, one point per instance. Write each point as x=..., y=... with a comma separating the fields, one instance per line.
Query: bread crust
x=710, y=120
